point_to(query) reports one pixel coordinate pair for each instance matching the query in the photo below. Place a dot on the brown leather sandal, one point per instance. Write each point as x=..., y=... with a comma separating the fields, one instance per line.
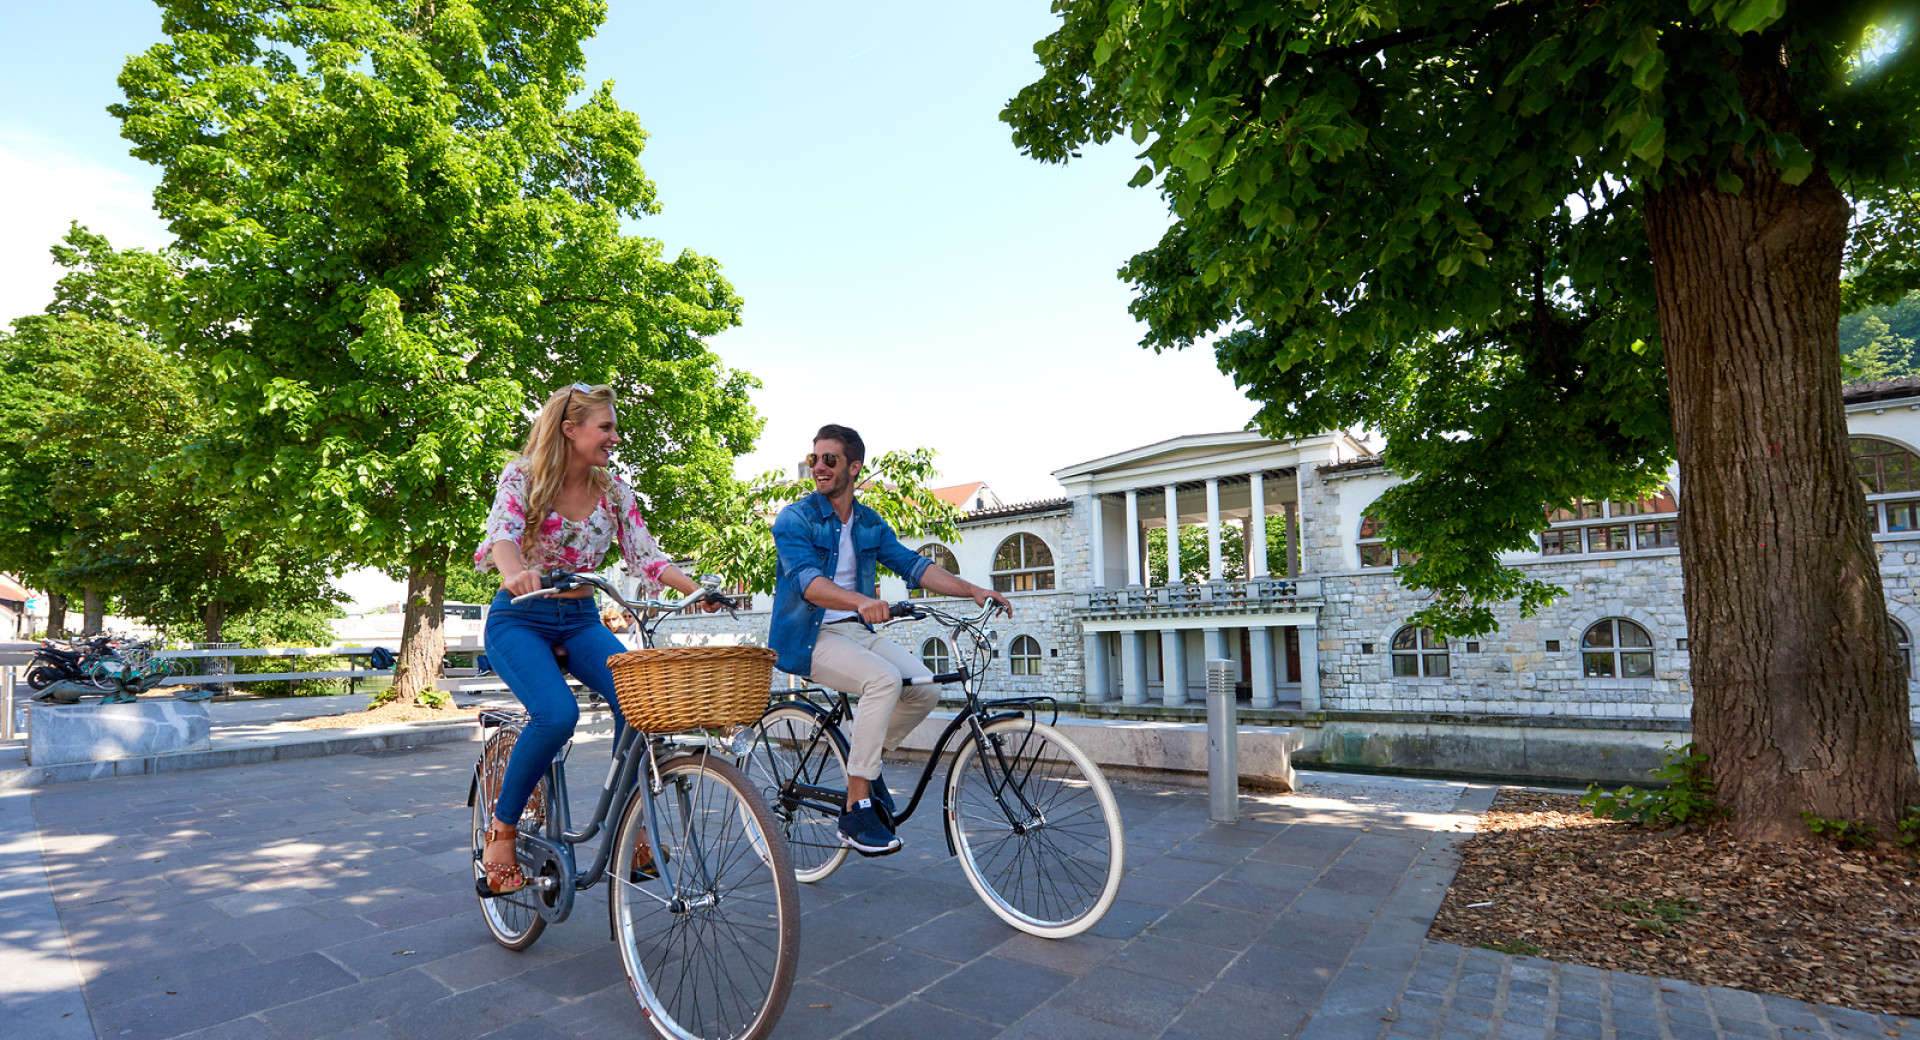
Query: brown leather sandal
x=501, y=878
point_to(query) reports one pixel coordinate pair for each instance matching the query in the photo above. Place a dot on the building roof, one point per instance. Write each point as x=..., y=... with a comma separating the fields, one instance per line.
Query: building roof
x=1882, y=390
x=958, y=495
x=1018, y=509
x=11, y=590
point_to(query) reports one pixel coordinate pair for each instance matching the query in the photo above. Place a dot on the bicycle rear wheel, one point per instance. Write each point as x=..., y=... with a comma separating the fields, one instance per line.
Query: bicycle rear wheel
x=1036, y=827
x=799, y=766
x=513, y=919
x=714, y=956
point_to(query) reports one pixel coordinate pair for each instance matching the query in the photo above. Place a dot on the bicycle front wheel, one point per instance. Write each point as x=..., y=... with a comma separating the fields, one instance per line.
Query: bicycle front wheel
x=1036, y=827
x=799, y=765
x=711, y=945
x=513, y=919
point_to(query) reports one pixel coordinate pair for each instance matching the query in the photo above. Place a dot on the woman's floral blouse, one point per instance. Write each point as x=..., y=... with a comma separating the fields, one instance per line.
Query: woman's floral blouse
x=572, y=545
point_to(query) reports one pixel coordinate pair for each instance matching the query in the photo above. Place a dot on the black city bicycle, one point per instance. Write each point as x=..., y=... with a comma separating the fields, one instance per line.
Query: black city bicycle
x=710, y=934
x=1029, y=815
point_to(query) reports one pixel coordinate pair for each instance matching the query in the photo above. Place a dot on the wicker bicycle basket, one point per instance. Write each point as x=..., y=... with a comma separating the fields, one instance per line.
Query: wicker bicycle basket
x=692, y=687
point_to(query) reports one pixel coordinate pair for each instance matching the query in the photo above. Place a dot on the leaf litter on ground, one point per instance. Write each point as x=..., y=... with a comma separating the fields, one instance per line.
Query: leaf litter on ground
x=1812, y=920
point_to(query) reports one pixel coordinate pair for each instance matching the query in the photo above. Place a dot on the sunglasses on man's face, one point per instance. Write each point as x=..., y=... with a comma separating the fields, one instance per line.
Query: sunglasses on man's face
x=832, y=460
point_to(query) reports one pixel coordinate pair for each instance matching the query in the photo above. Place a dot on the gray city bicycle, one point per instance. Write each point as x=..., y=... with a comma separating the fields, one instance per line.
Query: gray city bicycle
x=710, y=934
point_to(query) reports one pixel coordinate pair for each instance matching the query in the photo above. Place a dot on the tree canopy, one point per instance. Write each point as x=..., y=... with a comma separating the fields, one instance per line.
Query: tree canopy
x=403, y=228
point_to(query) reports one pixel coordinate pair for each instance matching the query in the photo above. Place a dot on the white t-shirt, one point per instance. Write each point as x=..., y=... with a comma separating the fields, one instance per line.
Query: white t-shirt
x=846, y=572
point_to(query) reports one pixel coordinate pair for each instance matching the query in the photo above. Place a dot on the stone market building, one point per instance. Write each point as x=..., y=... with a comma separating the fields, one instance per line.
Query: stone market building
x=1592, y=687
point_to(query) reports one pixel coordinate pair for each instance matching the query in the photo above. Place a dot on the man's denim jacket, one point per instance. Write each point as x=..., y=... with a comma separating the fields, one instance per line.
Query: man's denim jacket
x=806, y=535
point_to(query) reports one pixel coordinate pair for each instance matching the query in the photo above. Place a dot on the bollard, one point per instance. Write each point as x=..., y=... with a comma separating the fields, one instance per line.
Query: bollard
x=1223, y=744
x=6, y=702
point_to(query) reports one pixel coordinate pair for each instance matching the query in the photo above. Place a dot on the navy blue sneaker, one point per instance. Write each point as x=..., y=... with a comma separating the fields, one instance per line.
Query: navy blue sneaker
x=862, y=830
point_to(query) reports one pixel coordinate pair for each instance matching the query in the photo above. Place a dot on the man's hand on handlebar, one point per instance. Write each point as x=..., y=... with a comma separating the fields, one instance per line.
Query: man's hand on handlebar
x=981, y=596
x=876, y=611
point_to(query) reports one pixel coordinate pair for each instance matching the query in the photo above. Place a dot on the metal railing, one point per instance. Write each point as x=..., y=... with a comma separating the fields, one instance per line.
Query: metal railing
x=1254, y=596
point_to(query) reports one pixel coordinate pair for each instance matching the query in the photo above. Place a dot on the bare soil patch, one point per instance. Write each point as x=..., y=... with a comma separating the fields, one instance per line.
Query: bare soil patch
x=1813, y=921
x=390, y=712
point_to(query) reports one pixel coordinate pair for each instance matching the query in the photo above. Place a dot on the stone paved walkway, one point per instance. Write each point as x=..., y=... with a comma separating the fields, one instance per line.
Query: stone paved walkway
x=329, y=898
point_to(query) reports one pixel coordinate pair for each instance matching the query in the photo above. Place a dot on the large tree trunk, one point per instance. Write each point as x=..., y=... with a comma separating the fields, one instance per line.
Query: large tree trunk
x=423, y=635
x=1797, y=700
x=95, y=613
x=56, y=615
x=215, y=619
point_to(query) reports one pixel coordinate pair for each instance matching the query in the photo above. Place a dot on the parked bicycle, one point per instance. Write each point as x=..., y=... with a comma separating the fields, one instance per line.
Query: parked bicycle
x=1029, y=815
x=710, y=935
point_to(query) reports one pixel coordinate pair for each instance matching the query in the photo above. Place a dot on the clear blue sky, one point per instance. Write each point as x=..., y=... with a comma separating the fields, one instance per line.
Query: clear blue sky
x=905, y=269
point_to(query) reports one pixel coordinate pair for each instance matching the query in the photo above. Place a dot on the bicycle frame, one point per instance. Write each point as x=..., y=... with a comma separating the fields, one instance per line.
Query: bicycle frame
x=975, y=716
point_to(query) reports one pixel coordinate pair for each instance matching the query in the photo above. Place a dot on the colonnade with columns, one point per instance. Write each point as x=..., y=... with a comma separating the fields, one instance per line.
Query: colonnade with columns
x=1199, y=614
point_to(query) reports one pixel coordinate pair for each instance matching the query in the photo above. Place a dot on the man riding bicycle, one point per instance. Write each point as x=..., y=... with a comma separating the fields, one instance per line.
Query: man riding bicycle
x=824, y=610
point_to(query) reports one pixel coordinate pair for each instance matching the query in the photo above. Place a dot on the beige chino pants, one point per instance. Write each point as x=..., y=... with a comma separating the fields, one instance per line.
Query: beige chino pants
x=872, y=667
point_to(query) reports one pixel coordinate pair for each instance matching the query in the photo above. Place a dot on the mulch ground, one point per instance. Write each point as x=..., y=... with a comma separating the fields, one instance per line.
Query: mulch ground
x=1813, y=921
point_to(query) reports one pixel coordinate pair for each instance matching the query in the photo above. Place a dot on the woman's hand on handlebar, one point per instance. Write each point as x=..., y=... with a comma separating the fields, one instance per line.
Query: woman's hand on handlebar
x=521, y=583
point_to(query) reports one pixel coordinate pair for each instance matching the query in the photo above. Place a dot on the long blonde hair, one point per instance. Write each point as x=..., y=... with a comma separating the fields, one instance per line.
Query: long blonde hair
x=544, y=457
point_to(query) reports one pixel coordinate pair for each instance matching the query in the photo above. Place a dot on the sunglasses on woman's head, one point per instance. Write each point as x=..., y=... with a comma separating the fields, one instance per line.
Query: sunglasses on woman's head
x=580, y=387
x=832, y=460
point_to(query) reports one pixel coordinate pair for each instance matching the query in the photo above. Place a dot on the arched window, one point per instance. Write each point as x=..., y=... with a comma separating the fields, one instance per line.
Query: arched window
x=942, y=557
x=1616, y=648
x=1023, y=563
x=1885, y=469
x=1419, y=653
x=1902, y=647
x=1023, y=656
x=935, y=654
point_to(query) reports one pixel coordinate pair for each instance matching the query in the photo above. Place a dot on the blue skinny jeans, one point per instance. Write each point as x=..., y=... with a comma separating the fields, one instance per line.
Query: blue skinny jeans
x=520, y=641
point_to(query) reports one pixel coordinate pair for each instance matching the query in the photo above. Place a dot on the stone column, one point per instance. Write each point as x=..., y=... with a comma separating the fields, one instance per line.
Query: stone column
x=1257, y=525
x=1173, y=667
x=1099, y=685
x=1215, y=566
x=1216, y=644
x=1133, y=668
x=1293, y=539
x=1260, y=646
x=1133, y=539
x=1173, y=535
x=1097, y=542
x=1310, y=667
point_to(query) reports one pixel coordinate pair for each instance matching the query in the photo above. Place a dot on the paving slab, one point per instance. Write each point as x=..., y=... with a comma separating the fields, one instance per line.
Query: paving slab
x=327, y=898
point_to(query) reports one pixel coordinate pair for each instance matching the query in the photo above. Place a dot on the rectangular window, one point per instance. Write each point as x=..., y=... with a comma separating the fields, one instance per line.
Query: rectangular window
x=1636, y=666
x=1657, y=503
x=1561, y=542
x=1903, y=516
x=1553, y=646
x=1662, y=534
x=1608, y=538
x=1599, y=666
x=1406, y=666
x=1436, y=665
x=1374, y=554
x=1873, y=517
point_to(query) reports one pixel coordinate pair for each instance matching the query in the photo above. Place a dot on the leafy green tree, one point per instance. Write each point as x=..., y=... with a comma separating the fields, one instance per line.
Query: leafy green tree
x=736, y=539
x=112, y=413
x=1194, y=559
x=403, y=222
x=1879, y=354
x=1546, y=246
